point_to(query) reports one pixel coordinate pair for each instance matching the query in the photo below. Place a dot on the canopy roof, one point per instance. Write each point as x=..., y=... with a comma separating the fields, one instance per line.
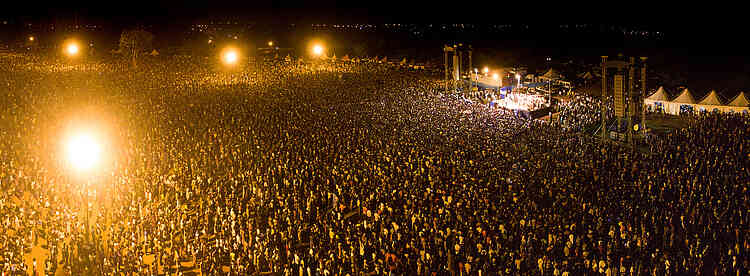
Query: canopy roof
x=659, y=95
x=740, y=100
x=684, y=97
x=711, y=99
x=552, y=74
x=588, y=76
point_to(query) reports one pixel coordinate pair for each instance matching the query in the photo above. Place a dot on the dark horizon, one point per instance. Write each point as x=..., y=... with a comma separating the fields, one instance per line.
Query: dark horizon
x=704, y=49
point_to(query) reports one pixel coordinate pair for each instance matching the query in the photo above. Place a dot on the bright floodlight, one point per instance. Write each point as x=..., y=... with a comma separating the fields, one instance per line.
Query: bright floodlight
x=270, y=44
x=83, y=151
x=486, y=70
x=318, y=50
x=72, y=49
x=230, y=57
x=495, y=76
x=31, y=38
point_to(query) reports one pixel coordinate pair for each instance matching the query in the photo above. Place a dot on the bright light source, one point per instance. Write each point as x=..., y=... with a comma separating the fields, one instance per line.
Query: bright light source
x=270, y=44
x=209, y=41
x=230, y=56
x=83, y=151
x=518, y=76
x=486, y=70
x=31, y=38
x=495, y=76
x=72, y=49
x=317, y=50
x=476, y=70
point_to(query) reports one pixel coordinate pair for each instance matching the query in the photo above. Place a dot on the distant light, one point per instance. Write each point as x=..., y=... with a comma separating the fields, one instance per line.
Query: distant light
x=209, y=41
x=72, y=49
x=83, y=151
x=518, y=76
x=495, y=76
x=230, y=57
x=270, y=44
x=235, y=37
x=476, y=70
x=318, y=50
x=31, y=38
x=486, y=70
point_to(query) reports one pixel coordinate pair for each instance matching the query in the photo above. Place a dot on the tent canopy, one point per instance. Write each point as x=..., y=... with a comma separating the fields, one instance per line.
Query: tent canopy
x=588, y=76
x=552, y=74
x=711, y=99
x=739, y=100
x=684, y=97
x=659, y=95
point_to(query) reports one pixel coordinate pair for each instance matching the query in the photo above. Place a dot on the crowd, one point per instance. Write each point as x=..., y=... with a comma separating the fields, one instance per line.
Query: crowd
x=520, y=101
x=341, y=168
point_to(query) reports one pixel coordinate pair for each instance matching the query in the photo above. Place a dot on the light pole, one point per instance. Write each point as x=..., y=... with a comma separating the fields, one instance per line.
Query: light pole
x=518, y=78
x=84, y=152
x=496, y=77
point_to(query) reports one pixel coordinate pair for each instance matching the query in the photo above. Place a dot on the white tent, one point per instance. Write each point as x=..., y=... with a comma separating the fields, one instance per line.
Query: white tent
x=710, y=103
x=685, y=97
x=659, y=95
x=659, y=100
x=739, y=100
x=711, y=99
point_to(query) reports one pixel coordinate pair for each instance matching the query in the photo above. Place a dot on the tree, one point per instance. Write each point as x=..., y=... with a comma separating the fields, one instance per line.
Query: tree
x=134, y=42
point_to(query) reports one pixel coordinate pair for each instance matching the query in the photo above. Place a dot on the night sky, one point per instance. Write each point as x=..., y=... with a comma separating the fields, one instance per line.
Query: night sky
x=703, y=43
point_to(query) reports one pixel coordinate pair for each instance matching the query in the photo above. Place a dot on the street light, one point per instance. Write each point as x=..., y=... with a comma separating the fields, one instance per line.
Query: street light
x=84, y=153
x=31, y=38
x=317, y=50
x=270, y=44
x=230, y=56
x=496, y=77
x=72, y=49
x=518, y=77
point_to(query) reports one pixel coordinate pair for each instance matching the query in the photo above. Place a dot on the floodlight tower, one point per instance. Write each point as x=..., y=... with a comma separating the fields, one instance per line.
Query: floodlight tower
x=628, y=98
x=458, y=50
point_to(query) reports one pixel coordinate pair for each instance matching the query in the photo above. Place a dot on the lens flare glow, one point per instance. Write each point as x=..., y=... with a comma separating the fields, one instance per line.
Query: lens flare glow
x=72, y=49
x=318, y=50
x=83, y=151
x=230, y=57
